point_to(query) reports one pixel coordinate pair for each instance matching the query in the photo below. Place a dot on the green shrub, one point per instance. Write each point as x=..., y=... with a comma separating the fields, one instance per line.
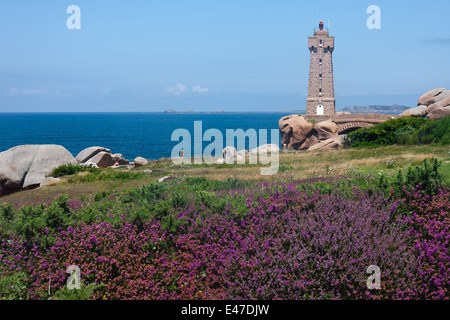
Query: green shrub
x=427, y=175
x=12, y=287
x=84, y=293
x=37, y=224
x=103, y=195
x=202, y=183
x=6, y=212
x=403, y=135
x=145, y=194
x=441, y=131
x=386, y=133
x=71, y=169
x=170, y=222
x=405, y=131
x=284, y=168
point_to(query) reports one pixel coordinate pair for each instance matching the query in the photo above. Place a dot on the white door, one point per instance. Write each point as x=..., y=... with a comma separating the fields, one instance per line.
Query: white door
x=320, y=110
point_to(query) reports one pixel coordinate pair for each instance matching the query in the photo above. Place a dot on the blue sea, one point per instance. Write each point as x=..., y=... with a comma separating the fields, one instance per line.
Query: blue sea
x=132, y=134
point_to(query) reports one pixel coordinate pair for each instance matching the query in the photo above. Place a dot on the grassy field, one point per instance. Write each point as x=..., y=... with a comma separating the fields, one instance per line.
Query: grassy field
x=293, y=166
x=216, y=232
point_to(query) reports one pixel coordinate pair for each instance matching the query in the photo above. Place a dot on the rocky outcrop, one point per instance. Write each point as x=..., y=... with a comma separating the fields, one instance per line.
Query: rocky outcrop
x=166, y=178
x=432, y=105
x=49, y=181
x=326, y=129
x=120, y=160
x=299, y=134
x=139, y=162
x=294, y=131
x=243, y=153
x=439, y=113
x=26, y=166
x=419, y=111
x=440, y=104
x=266, y=148
x=229, y=155
x=89, y=153
x=433, y=96
x=309, y=142
x=329, y=144
x=89, y=164
x=101, y=157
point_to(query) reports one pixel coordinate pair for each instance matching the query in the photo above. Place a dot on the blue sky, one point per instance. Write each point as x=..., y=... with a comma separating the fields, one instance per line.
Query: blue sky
x=246, y=55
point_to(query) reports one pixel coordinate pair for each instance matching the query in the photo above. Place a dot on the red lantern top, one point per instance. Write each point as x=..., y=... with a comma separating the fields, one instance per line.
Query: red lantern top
x=321, y=25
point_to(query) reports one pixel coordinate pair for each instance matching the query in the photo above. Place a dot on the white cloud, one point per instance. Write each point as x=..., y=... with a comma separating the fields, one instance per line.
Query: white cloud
x=32, y=92
x=199, y=89
x=178, y=89
x=26, y=92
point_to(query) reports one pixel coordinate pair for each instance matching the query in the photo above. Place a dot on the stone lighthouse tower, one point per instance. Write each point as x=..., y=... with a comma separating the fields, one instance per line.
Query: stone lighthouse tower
x=321, y=100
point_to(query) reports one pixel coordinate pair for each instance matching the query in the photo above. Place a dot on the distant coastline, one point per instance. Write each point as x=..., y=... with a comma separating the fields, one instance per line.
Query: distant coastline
x=151, y=112
x=171, y=111
x=393, y=109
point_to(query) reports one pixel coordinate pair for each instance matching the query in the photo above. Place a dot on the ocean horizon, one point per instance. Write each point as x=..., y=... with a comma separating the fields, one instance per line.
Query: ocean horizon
x=133, y=134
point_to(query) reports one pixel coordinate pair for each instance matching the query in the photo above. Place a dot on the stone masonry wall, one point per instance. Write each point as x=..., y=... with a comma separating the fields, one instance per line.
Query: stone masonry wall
x=321, y=46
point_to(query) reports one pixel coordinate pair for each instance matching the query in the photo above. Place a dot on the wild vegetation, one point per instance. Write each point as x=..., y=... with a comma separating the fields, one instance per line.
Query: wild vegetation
x=197, y=238
x=403, y=131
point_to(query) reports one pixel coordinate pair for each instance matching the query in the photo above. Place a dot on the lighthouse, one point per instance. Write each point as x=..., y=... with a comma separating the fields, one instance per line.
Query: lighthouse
x=321, y=101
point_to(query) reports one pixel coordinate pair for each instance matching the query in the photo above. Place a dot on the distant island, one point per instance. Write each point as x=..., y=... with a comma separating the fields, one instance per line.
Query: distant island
x=191, y=111
x=394, y=109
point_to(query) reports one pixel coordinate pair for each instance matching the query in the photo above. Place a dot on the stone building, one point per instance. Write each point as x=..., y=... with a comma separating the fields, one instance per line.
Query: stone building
x=321, y=101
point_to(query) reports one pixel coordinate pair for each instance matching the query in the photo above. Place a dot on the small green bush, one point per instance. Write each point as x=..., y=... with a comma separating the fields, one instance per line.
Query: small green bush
x=385, y=133
x=427, y=175
x=71, y=169
x=6, y=211
x=84, y=293
x=441, y=131
x=284, y=168
x=37, y=223
x=12, y=287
